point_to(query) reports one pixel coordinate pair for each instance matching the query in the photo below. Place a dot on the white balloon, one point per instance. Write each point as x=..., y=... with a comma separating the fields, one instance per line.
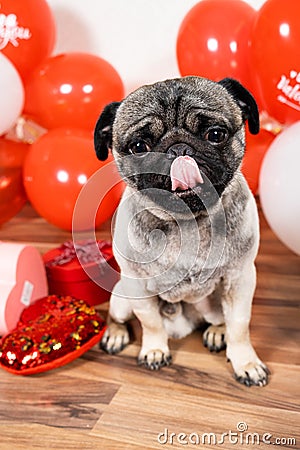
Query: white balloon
x=11, y=94
x=279, y=186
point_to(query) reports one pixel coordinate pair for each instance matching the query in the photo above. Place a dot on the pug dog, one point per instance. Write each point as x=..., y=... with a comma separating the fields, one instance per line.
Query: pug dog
x=186, y=232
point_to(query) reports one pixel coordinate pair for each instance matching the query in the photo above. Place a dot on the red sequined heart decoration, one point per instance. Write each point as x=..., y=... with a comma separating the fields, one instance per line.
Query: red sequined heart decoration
x=50, y=333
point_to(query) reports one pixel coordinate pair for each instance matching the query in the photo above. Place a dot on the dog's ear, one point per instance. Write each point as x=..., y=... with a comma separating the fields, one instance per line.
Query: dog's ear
x=103, y=130
x=246, y=102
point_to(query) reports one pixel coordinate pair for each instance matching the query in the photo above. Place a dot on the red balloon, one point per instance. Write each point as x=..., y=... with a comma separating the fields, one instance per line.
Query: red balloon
x=70, y=90
x=275, y=53
x=256, y=148
x=59, y=164
x=12, y=193
x=12, y=153
x=27, y=33
x=213, y=40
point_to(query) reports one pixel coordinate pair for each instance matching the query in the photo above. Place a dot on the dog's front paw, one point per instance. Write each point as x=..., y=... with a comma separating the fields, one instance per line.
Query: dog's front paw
x=248, y=368
x=154, y=359
x=115, y=338
x=253, y=374
x=214, y=338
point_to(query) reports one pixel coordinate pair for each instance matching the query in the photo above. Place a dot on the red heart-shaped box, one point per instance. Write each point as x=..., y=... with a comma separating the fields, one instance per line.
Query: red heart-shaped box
x=50, y=333
x=22, y=281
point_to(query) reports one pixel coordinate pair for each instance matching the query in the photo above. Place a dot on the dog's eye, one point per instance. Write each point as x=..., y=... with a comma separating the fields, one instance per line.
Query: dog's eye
x=216, y=135
x=139, y=148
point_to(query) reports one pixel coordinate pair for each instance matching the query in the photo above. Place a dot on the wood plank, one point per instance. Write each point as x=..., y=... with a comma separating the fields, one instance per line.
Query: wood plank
x=284, y=265
x=277, y=286
x=131, y=414
x=57, y=402
x=212, y=375
x=29, y=227
x=23, y=436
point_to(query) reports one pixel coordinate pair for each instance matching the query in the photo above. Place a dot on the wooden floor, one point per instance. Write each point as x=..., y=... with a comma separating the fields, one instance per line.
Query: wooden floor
x=108, y=402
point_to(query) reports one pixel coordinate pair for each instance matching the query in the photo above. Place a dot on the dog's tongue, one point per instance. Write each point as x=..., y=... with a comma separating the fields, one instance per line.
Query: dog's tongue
x=185, y=173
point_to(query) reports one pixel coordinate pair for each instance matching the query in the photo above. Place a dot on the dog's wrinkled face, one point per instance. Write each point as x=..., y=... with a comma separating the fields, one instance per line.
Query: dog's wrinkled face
x=184, y=137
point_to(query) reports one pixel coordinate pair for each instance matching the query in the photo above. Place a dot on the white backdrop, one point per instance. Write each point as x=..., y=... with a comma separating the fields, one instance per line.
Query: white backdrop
x=138, y=37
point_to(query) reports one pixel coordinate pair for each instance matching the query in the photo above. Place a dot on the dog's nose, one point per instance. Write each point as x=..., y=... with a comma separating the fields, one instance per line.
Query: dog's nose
x=180, y=149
